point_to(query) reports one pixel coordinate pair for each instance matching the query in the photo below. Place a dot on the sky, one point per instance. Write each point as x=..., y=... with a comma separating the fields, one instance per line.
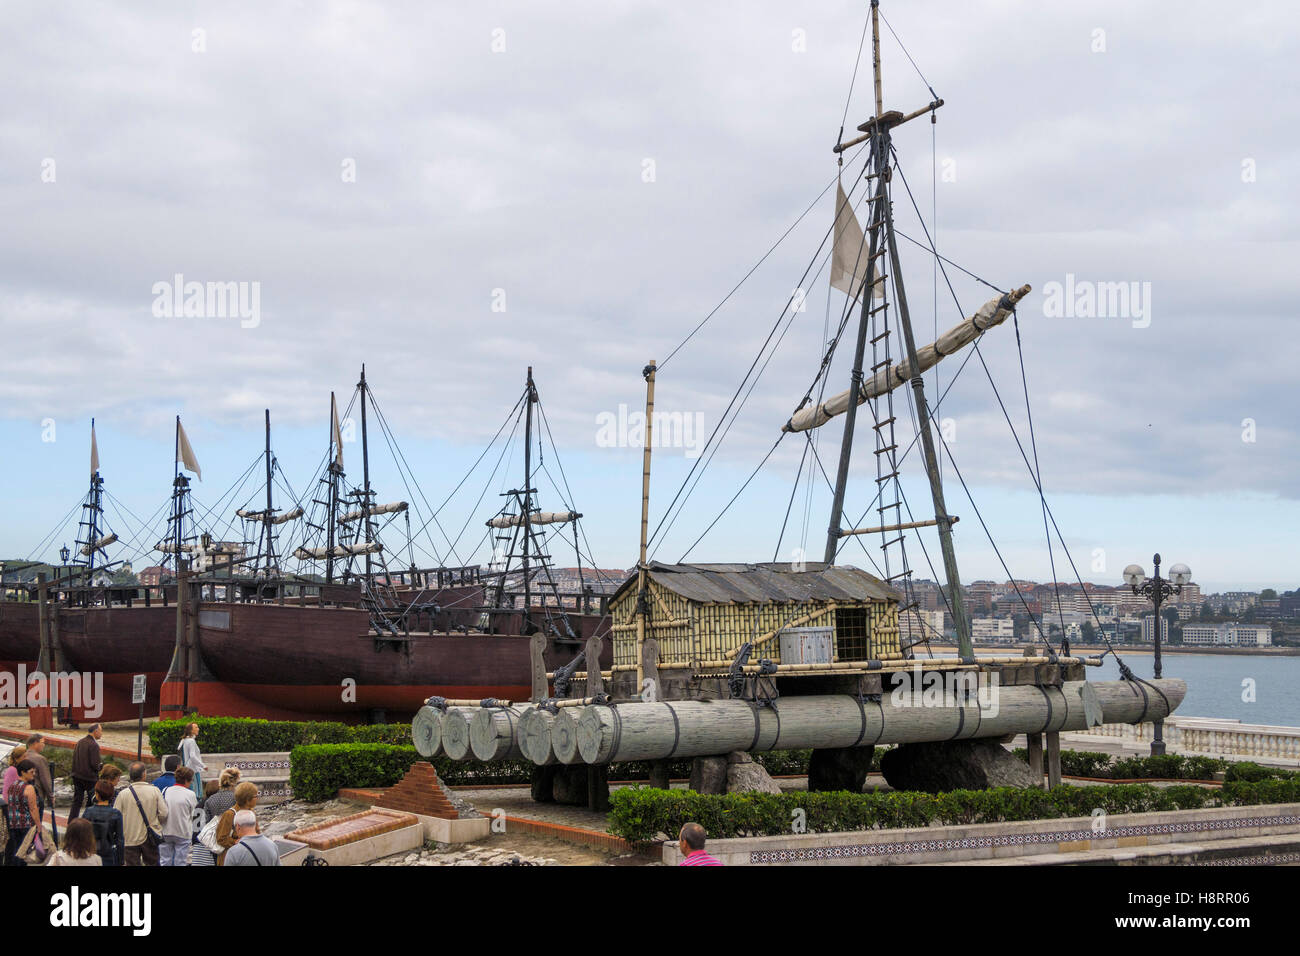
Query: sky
x=452, y=193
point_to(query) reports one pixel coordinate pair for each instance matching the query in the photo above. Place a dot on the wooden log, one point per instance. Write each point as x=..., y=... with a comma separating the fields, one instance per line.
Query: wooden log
x=494, y=733
x=564, y=735
x=1034, y=749
x=455, y=732
x=535, y=736
x=665, y=730
x=1053, y=760
x=426, y=731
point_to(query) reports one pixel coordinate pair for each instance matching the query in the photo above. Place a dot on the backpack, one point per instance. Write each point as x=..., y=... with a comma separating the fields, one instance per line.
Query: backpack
x=105, y=846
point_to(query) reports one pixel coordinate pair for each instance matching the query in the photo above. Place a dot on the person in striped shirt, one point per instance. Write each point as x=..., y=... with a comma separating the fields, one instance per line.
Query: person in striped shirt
x=691, y=842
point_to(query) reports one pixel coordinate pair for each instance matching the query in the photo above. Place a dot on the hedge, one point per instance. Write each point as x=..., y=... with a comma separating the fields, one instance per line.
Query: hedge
x=250, y=735
x=642, y=814
x=1087, y=763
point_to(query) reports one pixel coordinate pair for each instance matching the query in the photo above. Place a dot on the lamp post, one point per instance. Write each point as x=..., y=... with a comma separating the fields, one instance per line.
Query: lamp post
x=1157, y=589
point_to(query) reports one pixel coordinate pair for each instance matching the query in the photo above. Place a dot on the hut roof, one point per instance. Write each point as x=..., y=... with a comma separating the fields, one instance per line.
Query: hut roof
x=772, y=582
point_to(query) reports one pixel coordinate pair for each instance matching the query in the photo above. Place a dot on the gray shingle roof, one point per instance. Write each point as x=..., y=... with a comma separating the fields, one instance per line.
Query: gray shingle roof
x=774, y=582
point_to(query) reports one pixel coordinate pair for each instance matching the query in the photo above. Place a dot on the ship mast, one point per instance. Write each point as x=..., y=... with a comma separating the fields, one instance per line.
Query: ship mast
x=365, y=473
x=335, y=470
x=92, y=509
x=527, y=508
x=266, y=523
x=878, y=130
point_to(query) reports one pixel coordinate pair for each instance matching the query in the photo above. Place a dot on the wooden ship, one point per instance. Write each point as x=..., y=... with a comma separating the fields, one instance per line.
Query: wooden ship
x=351, y=636
x=709, y=659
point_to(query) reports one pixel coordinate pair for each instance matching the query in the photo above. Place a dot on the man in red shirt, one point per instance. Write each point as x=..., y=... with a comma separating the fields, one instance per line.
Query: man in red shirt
x=691, y=842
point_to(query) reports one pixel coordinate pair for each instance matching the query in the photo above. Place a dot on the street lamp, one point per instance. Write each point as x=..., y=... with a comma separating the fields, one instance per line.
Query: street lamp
x=1157, y=589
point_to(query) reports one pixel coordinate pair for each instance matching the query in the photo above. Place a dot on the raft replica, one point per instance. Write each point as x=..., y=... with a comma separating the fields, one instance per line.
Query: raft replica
x=720, y=659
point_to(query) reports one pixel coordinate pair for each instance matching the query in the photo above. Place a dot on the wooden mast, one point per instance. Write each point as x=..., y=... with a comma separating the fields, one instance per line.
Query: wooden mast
x=365, y=472
x=880, y=161
x=526, y=508
x=266, y=522
x=879, y=129
x=333, y=493
x=642, y=604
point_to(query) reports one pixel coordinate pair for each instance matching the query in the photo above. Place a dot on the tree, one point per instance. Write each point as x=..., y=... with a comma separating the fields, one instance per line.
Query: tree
x=1207, y=611
x=1089, y=632
x=1268, y=594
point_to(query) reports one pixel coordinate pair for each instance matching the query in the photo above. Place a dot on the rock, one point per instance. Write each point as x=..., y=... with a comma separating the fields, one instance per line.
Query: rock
x=841, y=768
x=739, y=756
x=744, y=777
x=955, y=765
x=709, y=774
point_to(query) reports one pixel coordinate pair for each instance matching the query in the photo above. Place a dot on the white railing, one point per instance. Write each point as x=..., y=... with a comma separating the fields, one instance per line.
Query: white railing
x=1205, y=735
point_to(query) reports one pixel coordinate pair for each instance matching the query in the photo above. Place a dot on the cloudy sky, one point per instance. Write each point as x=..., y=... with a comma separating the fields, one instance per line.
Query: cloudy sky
x=453, y=192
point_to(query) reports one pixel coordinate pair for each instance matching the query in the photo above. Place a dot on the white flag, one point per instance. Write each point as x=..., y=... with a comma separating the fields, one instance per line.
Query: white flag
x=94, y=450
x=338, y=434
x=184, y=453
x=850, y=254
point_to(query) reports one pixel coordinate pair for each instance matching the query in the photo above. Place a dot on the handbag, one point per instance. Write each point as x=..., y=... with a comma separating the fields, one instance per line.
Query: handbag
x=208, y=836
x=150, y=837
x=36, y=845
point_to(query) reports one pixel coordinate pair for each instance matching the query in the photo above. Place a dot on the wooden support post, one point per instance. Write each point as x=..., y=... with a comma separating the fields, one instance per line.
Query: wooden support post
x=1053, y=760
x=659, y=778
x=1034, y=744
x=598, y=787
x=537, y=660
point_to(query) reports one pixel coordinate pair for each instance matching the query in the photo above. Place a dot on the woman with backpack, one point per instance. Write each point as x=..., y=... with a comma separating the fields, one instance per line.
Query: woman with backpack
x=107, y=823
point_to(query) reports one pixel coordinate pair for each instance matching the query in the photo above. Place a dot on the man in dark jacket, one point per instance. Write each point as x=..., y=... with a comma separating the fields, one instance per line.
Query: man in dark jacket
x=86, y=764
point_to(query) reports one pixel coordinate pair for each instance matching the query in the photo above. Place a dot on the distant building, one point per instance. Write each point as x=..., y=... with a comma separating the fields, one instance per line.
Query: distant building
x=1147, y=629
x=152, y=576
x=1228, y=635
x=992, y=630
x=918, y=625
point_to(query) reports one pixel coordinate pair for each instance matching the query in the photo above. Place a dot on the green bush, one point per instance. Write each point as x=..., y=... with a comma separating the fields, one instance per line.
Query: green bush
x=250, y=735
x=1087, y=763
x=318, y=771
x=641, y=814
x=1250, y=772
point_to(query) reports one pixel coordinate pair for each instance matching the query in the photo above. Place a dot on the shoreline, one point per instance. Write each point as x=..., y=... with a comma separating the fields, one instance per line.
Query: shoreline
x=1146, y=649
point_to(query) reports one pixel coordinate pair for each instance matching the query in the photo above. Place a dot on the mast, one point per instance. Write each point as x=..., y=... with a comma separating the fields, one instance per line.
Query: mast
x=878, y=129
x=177, y=506
x=93, y=507
x=527, y=508
x=365, y=471
x=266, y=523
x=641, y=603
x=333, y=494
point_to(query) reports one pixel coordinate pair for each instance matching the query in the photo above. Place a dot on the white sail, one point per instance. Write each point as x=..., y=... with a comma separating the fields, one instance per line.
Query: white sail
x=336, y=432
x=850, y=253
x=184, y=453
x=104, y=542
x=275, y=519
x=94, y=450
x=540, y=517
x=395, y=507
x=991, y=313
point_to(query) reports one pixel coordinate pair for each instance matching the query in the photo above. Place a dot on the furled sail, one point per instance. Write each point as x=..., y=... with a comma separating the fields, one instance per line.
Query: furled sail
x=340, y=551
x=991, y=313
x=395, y=507
x=540, y=517
x=104, y=542
x=275, y=519
x=169, y=547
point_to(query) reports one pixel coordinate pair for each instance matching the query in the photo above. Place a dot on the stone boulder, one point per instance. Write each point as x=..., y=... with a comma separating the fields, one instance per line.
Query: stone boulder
x=955, y=765
x=841, y=768
x=744, y=776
